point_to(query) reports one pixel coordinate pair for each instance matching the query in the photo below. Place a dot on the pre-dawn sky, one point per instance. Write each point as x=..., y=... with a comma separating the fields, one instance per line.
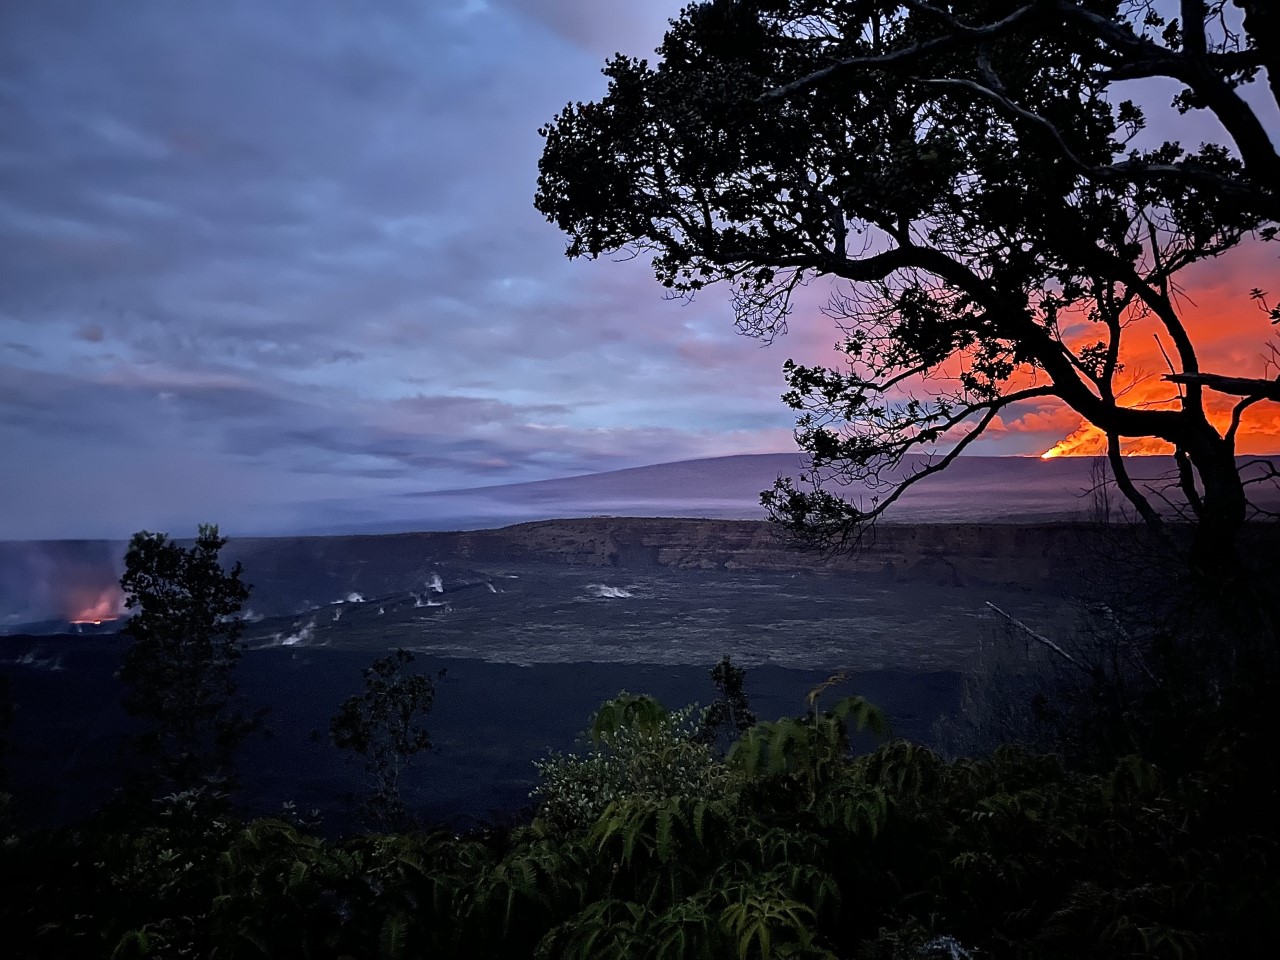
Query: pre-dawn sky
x=261, y=260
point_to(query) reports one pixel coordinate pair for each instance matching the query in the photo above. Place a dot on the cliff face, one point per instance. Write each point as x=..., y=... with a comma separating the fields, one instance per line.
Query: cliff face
x=948, y=553
x=292, y=573
x=951, y=554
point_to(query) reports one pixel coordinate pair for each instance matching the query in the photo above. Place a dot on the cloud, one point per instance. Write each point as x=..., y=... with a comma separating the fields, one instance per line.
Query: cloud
x=1055, y=420
x=600, y=27
x=265, y=260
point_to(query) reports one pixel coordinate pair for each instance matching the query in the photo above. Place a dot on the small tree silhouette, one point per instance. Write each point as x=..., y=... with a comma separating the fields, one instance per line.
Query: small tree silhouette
x=179, y=672
x=382, y=726
x=729, y=716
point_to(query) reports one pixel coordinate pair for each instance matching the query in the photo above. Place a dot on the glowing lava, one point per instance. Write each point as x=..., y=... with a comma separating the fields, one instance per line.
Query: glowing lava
x=1085, y=441
x=96, y=606
x=1088, y=441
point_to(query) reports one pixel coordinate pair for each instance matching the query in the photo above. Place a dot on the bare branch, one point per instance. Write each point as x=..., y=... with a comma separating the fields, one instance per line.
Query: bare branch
x=1039, y=638
x=1237, y=413
x=1125, y=483
x=1236, y=386
x=946, y=459
x=1187, y=481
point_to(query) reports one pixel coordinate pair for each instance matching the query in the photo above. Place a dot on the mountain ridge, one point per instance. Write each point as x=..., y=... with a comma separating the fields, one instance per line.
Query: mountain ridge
x=973, y=489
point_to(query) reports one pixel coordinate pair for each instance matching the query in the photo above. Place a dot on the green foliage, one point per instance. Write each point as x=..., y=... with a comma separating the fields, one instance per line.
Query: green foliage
x=178, y=672
x=765, y=923
x=280, y=892
x=640, y=751
x=789, y=848
x=627, y=711
x=382, y=725
x=811, y=748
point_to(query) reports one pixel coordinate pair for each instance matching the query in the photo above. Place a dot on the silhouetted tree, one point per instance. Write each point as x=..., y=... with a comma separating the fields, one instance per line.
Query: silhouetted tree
x=179, y=671
x=382, y=725
x=974, y=175
x=729, y=715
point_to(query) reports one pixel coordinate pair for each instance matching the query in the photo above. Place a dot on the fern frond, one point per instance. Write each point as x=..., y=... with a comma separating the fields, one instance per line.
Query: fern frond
x=393, y=938
x=863, y=714
x=666, y=816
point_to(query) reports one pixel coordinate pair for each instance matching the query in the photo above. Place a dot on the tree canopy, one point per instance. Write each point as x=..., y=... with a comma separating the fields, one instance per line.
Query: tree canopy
x=179, y=671
x=979, y=178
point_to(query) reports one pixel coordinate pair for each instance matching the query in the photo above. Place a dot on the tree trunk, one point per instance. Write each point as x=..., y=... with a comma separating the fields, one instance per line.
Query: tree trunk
x=1262, y=23
x=1223, y=506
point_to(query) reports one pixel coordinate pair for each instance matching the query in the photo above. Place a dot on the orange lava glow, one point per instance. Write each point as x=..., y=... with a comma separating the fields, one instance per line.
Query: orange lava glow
x=1232, y=336
x=1088, y=441
x=96, y=606
x=1259, y=430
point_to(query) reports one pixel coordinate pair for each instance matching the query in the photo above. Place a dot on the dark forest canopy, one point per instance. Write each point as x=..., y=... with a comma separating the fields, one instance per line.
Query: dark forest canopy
x=977, y=177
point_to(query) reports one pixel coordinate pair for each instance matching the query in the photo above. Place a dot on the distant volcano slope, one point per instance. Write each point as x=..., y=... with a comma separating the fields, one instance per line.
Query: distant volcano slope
x=971, y=490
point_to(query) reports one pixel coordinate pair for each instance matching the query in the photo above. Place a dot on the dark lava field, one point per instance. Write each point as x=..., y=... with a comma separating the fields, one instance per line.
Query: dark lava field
x=535, y=625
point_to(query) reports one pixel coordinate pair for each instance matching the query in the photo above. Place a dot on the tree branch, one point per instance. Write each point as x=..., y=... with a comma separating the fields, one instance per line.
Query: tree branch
x=1125, y=483
x=1239, y=119
x=1237, y=413
x=944, y=461
x=1196, y=68
x=1039, y=638
x=1127, y=171
x=1236, y=386
x=1014, y=323
x=960, y=33
x=1262, y=20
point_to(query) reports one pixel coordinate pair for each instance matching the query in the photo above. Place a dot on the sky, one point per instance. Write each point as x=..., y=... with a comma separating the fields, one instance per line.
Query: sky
x=267, y=264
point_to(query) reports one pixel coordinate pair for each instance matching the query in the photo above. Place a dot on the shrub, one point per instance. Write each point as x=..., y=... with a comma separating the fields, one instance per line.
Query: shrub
x=640, y=750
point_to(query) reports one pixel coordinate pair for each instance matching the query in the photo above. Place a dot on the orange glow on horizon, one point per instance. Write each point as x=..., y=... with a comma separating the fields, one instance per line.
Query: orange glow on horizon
x=96, y=607
x=1088, y=441
x=1259, y=432
x=1231, y=335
